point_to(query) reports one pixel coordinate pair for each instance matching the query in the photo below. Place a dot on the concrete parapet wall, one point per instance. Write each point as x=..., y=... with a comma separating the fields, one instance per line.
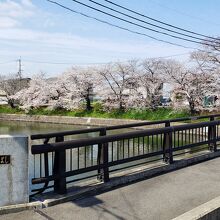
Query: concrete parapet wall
x=14, y=186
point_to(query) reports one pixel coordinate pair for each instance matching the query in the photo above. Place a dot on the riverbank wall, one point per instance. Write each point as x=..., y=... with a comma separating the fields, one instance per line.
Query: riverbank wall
x=68, y=120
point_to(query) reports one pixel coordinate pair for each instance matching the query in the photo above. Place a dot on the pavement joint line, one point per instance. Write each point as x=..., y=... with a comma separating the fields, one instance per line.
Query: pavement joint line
x=43, y=214
x=115, y=182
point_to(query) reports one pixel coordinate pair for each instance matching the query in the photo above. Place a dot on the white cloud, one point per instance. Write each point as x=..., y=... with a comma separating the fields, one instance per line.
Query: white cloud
x=68, y=41
x=12, y=12
x=7, y=22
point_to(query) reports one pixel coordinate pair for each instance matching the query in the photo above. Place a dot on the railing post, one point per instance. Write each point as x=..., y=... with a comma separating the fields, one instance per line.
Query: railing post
x=60, y=169
x=103, y=172
x=212, y=136
x=167, y=146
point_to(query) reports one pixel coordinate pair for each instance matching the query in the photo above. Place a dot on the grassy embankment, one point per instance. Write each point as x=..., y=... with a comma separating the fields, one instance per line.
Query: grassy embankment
x=97, y=112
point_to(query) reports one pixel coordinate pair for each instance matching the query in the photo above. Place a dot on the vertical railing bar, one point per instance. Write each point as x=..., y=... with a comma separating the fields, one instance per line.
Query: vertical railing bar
x=91, y=155
x=189, y=136
x=52, y=159
x=152, y=142
x=182, y=132
x=112, y=154
x=143, y=145
x=70, y=159
x=133, y=146
x=157, y=142
x=123, y=150
x=148, y=144
x=78, y=158
x=196, y=135
x=128, y=147
x=202, y=135
x=174, y=139
x=40, y=165
x=85, y=157
x=118, y=148
x=34, y=167
x=178, y=137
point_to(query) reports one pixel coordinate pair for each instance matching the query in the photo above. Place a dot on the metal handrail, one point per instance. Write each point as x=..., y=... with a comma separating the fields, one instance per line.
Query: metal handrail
x=45, y=148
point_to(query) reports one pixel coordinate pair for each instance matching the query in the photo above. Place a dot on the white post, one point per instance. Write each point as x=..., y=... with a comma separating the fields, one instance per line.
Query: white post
x=14, y=182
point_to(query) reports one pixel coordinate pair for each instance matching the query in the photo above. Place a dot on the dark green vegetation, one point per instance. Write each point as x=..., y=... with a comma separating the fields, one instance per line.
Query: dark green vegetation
x=9, y=110
x=98, y=112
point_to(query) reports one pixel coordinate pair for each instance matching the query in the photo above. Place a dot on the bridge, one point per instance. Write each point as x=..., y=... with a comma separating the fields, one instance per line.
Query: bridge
x=66, y=169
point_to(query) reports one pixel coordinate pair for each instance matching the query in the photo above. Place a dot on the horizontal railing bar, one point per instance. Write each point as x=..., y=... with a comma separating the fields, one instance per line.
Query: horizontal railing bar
x=66, y=174
x=44, y=148
x=115, y=127
x=193, y=145
x=42, y=188
x=138, y=157
x=83, y=178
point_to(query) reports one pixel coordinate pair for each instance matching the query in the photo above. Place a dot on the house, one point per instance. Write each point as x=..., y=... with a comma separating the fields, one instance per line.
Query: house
x=3, y=98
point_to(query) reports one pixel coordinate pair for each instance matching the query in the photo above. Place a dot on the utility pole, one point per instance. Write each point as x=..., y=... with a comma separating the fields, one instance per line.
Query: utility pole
x=19, y=69
x=19, y=74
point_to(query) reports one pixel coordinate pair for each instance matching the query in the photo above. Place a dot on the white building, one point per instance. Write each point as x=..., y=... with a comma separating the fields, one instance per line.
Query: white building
x=3, y=98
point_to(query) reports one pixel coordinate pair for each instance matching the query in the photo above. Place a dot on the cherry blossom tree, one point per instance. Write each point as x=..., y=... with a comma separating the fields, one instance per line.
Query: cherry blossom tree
x=79, y=85
x=117, y=83
x=37, y=94
x=150, y=83
x=207, y=61
x=190, y=83
x=11, y=84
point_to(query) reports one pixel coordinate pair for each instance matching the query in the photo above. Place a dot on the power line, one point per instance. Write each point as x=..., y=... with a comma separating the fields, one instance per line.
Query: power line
x=148, y=23
x=122, y=28
x=161, y=22
x=98, y=63
x=141, y=26
x=60, y=63
x=186, y=14
x=10, y=61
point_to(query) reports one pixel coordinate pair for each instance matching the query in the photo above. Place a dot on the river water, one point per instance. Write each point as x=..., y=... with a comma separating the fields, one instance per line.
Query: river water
x=28, y=128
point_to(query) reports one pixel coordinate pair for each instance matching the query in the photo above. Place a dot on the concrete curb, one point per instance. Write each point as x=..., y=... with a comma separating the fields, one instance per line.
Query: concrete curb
x=209, y=210
x=20, y=207
x=117, y=180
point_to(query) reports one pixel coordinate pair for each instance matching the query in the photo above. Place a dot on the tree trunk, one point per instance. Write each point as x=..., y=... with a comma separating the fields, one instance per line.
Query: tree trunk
x=11, y=103
x=88, y=103
x=192, y=107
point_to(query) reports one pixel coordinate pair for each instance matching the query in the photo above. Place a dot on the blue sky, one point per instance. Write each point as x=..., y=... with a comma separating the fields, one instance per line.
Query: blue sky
x=41, y=33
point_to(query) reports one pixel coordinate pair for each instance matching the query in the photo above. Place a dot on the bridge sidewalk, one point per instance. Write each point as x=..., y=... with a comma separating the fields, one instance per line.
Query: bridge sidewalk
x=159, y=198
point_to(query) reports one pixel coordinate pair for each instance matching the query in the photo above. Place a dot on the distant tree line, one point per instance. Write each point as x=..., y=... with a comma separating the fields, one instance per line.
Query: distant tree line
x=131, y=84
